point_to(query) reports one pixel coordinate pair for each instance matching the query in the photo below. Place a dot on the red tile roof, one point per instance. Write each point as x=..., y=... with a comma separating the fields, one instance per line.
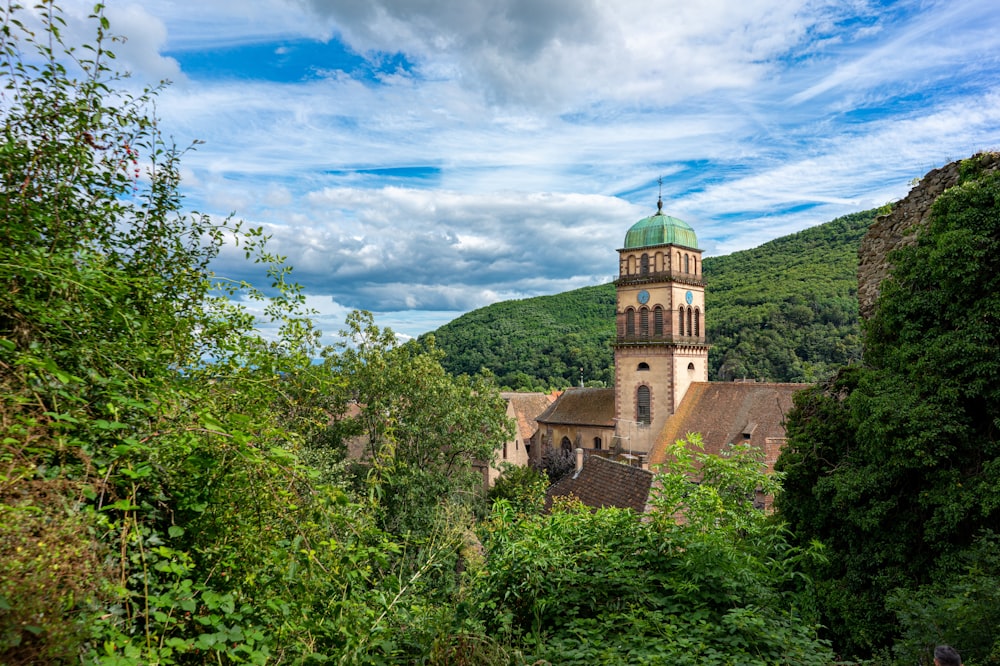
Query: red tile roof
x=582, y=406
x=605, y=483
x=527, y=406
x=725, y=413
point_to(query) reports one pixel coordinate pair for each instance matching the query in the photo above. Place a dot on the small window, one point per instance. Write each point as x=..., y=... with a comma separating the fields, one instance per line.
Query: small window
x=643, y=414
x=658, y=321
x=630, y=322
x=644, y=322
x=566, y=444
x=644, y=264
x=505, y=450
x=680, y=320
x=686, y=265
x=690, y=367
x=697, y=322
x=643, y=367
x=597, y=443
x=690, y=321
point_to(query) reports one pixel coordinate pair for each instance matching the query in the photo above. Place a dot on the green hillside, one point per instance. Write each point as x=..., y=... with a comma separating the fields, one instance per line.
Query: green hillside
x=784, y=311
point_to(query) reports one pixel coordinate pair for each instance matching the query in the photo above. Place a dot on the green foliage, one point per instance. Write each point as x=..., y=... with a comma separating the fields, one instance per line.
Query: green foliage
x=961, y=607
x=895, y=465
x=786, y=311
x=153, y=504
x=536, y=343
x=719, y=586
x=522, y=486
x=422, y=427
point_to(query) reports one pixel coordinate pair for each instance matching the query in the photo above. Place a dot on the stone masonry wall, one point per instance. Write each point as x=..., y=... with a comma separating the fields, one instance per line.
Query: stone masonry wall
x=900, y=227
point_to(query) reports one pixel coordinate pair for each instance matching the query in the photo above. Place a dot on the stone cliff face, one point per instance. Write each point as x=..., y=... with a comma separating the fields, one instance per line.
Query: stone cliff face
x=900, y=227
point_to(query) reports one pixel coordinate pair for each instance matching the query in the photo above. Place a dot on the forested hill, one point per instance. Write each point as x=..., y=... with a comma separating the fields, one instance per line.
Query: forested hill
x=785, y=311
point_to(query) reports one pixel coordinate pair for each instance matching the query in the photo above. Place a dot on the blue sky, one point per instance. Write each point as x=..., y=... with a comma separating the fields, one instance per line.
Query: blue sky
x=422, y=158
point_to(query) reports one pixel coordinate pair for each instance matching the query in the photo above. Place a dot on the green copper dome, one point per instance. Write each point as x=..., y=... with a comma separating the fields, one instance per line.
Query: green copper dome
x=660, y=229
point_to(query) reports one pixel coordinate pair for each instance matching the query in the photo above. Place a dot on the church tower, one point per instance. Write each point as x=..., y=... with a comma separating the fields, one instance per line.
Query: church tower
x=660, y=346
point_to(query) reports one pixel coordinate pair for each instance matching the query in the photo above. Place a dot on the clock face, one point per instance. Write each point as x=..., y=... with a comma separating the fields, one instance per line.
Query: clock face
x=689, y=297
x=643, y=297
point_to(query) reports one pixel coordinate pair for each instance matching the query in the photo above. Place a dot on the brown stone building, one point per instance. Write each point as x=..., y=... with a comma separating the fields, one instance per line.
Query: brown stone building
x=661, y=390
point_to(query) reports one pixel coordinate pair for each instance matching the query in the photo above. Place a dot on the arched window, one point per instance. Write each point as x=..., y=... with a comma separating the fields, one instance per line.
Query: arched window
x=690, y=321
x=643, y=366
x=690, y=367
x=631, y=264
x=697, y=322
x=644, y=264
x=643, y=413
x=658, y=262
x=680, y=320
x=678, y=261
x=695, y=265
x=597, y=443
x=644, y=322
x=566, y=444
x=658, y=321
x=630, y=322
x=686, y=267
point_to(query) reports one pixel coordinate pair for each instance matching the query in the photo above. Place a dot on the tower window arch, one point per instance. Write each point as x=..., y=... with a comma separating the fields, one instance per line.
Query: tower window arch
x=643, y=366
x=566, y=444
x=697, y=322
x=644, y=264
x=695, y=265
x=643, y=410
x=686, y=264
x=678, y=261
x=690, y=367
x=680, y=320
x=630, y=322
x=597, y=443
x=644, y=322
x=658, y=321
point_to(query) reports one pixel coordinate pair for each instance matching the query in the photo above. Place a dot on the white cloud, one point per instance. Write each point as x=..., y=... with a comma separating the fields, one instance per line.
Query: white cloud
x=526, y=137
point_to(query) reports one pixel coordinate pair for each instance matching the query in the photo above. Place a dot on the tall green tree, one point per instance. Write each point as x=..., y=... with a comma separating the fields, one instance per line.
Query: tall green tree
x=426, y=434
x=153, y=506
x=896, y=465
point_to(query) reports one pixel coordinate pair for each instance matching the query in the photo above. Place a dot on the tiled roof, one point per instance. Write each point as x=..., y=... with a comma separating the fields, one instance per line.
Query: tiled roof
x=582, y=406
x=527, y=406
x=726, y=413
x=605, y=483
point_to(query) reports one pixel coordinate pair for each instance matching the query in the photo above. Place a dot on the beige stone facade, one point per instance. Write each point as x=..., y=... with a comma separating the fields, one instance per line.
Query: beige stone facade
x=660, y=347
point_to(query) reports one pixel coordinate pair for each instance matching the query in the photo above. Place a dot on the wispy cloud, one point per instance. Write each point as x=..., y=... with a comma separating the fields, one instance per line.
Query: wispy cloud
x=424, y=158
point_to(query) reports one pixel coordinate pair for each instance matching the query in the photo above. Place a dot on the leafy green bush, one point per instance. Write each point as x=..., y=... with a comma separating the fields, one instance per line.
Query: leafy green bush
x=706, y=579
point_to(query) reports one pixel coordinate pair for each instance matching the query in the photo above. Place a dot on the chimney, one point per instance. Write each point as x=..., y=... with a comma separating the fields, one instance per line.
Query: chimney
x=579, y=460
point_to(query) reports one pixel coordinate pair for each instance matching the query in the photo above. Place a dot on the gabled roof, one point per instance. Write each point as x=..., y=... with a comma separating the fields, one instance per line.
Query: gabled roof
x=525, y=407
x=727, y=413
x=605, y=483
x=582, y=406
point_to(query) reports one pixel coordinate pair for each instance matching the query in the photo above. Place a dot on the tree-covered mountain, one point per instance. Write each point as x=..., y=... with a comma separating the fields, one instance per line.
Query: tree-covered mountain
x=784, y=311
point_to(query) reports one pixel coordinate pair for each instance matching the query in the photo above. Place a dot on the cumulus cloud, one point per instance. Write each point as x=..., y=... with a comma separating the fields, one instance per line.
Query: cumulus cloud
x=494, y=149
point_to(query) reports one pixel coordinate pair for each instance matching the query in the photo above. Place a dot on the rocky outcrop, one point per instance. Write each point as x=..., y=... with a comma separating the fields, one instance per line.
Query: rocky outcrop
x=900, y=227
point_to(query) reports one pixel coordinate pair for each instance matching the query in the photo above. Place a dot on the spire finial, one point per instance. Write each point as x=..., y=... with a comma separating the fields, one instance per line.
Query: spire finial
x=659, y=197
